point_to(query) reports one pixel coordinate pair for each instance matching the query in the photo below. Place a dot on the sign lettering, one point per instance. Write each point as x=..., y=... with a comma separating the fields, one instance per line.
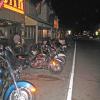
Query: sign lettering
x=14, y=5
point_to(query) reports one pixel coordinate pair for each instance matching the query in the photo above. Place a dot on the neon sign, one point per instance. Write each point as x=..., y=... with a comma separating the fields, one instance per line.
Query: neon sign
x=1, y=3
x=14, y=5
x=56, y=23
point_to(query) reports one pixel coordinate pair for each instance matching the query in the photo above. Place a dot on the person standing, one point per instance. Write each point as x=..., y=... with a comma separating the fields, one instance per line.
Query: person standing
x=17, y=38
x=17, y=43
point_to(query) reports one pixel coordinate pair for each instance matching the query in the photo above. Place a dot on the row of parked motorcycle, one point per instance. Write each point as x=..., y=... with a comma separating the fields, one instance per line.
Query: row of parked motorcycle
x=49, y=55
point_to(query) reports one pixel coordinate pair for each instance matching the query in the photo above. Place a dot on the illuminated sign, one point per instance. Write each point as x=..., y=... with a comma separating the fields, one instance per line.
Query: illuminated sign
x=14, y=5
x=56, y=23
x=1, y=3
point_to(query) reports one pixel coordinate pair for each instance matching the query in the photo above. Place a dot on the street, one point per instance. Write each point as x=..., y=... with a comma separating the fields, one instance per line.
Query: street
x=87, y=71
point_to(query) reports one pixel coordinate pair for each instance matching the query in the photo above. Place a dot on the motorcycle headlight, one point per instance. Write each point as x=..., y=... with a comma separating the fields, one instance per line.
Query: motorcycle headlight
x=33, y=89
x=54, y=62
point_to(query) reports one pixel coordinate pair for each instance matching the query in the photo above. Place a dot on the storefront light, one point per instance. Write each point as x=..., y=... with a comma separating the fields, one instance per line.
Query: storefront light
x=69, y=32
x=44, y=32
x=96, y=33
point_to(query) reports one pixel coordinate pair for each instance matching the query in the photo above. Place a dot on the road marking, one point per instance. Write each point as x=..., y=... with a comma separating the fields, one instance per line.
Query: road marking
x=70, y=88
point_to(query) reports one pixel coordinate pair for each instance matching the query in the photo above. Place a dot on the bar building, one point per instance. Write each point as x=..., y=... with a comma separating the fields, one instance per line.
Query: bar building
x=30, y=19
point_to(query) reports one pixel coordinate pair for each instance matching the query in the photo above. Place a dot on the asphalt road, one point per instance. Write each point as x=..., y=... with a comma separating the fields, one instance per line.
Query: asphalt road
x=87, y=71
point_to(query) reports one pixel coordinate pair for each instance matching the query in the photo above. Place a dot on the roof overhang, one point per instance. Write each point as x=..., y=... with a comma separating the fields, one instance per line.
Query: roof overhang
x=30, y=21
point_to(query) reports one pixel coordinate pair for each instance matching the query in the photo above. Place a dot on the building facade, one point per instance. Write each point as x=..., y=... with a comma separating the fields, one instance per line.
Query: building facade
x=11, y=18
x=30, y=19
x=37, y=20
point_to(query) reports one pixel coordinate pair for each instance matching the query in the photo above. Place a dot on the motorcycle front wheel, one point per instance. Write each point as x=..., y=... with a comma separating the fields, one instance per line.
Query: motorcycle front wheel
x=21, y=94
x=25, y=91
x=55, y=67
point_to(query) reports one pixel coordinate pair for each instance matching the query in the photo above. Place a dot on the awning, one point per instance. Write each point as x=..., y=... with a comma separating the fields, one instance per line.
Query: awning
x=30, y=21
x=44, y=25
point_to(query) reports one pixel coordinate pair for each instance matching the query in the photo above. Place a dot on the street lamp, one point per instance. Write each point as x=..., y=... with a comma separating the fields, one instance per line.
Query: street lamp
x=96, y=33
x=69, y=32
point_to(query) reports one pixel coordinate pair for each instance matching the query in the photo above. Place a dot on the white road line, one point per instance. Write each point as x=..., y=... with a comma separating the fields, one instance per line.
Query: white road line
x=70, y=89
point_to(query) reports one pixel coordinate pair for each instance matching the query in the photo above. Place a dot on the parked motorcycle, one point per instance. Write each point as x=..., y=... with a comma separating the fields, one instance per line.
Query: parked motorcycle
x=10, y=87
x=58, y=53
x=44, y=59
x=51, y=64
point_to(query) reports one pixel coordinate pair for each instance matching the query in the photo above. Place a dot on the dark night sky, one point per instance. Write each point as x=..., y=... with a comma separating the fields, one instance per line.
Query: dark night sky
x=78, y=14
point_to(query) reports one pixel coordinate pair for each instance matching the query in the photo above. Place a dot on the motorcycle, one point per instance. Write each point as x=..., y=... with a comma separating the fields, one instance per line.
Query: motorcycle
x=58, y=51
x=58, y=54
x=41, y=59
x=11, y=87
x=46, y=60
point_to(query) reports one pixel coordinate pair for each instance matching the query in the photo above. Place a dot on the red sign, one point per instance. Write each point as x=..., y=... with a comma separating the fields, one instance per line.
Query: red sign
x=56, y=23
x=1, y=3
